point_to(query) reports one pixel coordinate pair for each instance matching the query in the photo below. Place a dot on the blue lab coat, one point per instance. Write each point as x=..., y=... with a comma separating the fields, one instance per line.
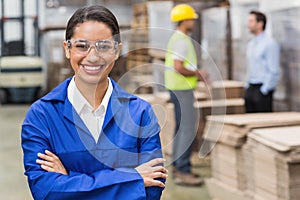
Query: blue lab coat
x=102, y=170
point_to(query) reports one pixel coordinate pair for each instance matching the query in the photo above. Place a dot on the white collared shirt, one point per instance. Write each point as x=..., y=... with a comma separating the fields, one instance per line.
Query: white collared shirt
x=92, y=119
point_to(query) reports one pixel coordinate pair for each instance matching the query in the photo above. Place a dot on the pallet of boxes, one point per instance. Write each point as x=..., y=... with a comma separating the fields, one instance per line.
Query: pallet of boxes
x=255, y=156
x=138, y=58
x=276, y=163
x=219, y=98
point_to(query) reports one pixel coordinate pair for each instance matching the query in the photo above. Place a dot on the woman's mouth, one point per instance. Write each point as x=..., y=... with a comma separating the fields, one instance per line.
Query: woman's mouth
x=92, y=69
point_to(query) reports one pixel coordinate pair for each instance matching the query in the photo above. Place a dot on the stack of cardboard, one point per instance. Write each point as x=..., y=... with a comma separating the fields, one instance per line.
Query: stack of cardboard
x=231, y=159
x=227, y=166
x=222, y=97
x=234, y=128
x=164, y=111
x=214, y=107
x=227, y=89
x=276, y=160
x=139, y=38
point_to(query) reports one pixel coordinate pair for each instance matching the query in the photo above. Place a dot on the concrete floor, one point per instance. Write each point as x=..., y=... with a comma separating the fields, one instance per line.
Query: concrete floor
x=13, y=185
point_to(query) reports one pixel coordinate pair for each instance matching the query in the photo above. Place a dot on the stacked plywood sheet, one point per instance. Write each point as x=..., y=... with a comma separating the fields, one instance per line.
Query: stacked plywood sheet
x=214, y=107
x=227, y=89
x=138, y=54
x=276, y=161
x=227, y=166
x=221, y=106
x=222, y=97
x=231, y=159
x=223, y=89
x=234, y=128
x=164, y=110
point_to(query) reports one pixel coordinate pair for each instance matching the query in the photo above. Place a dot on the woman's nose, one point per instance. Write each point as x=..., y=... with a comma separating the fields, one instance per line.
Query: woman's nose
x=93, y=55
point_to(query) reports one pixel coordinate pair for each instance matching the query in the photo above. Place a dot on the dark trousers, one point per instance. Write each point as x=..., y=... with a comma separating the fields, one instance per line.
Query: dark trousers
x=185, y=133
x=256, y=101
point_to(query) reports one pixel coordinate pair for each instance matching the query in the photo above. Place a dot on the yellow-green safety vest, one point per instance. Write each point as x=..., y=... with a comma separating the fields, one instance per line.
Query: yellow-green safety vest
x=173, y=79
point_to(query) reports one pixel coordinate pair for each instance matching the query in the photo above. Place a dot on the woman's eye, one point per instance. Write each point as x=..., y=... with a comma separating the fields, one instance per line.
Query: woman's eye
x=82, y=46
x=104, y=47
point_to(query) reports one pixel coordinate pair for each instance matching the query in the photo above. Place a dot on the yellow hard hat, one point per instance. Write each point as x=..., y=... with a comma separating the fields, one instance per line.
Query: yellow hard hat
x=183, y=12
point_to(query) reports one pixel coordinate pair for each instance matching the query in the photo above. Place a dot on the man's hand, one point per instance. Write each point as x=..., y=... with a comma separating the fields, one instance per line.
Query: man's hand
x=151, y=170
x=203, y=75
x=51, y=163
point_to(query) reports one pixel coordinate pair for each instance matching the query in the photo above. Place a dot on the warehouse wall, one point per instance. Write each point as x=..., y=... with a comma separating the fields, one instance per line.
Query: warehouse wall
x=214, y=39
x=286, y=30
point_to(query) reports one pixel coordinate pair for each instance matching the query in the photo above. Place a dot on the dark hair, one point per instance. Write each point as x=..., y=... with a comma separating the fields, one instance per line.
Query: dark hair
x=93, y=13
x=179, y=23
x=260, y=17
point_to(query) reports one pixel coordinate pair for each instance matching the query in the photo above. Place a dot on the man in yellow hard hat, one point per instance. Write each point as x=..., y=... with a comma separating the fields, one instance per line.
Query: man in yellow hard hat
x=181, y=76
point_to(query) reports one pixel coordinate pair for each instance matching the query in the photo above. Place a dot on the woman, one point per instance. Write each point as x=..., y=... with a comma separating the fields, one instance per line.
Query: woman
x=88, y=138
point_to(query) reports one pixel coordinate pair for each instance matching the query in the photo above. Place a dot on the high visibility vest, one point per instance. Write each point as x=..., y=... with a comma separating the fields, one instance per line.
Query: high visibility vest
x=173, y=79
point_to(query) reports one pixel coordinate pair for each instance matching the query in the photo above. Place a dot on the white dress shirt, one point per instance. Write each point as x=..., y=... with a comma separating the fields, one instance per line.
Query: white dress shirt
x=263, y=59
x=92, y=119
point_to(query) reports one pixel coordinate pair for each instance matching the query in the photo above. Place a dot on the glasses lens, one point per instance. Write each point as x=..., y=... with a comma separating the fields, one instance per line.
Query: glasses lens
x=105, y=46
x=81, y=46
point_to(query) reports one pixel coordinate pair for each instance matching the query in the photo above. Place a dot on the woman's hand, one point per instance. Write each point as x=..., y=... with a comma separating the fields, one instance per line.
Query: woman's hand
x=51, y=163
x=150, y=171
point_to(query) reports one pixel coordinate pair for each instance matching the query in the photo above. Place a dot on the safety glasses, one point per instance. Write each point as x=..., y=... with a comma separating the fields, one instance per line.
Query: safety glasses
x=83, y=47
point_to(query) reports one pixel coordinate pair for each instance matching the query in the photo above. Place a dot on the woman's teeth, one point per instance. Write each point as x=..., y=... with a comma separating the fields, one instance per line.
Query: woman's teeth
x=92, y=68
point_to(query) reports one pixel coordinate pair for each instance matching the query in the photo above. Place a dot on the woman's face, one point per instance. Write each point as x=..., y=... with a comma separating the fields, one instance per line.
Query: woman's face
x=91, y=66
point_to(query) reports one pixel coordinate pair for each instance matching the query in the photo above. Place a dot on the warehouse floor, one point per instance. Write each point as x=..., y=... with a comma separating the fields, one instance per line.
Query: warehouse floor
x=13, y=184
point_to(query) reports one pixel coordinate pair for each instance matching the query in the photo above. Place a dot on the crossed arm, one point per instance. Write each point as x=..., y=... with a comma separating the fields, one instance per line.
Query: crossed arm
x=149, y=171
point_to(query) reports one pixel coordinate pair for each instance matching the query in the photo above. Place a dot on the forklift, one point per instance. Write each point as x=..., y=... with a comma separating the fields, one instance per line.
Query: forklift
x=21, y=74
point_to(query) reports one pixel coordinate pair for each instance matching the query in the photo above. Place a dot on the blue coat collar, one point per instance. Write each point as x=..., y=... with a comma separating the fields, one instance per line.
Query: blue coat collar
x=60, y=92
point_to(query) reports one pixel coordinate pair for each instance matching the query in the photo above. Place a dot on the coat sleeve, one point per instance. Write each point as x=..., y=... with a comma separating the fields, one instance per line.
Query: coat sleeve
x=150, y=147
x=104, y=184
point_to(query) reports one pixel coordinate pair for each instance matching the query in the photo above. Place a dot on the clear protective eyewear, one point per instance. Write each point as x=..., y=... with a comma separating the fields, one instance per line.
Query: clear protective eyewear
x=83, y=47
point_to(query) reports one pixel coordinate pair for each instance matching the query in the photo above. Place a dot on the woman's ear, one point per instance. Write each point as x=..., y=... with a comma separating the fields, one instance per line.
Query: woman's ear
x=67, y=49
x=118, y=51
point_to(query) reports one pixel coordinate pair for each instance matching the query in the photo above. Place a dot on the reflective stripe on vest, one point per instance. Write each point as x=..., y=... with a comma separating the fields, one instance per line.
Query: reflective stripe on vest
x=173, y=79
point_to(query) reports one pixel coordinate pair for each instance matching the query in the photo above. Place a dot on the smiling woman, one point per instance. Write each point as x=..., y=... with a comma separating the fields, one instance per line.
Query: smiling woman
x=88, y=138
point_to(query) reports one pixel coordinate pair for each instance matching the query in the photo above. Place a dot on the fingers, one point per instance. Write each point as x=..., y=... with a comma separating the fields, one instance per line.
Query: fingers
x=152, y=170
x=155, y=161
x=51, y=154
x=154, y=183
x=46, y=163
x=48, y=169
x=159, y=175
x=48, y=166
x=51, y=163
x=47, y=156
x=160, y=169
